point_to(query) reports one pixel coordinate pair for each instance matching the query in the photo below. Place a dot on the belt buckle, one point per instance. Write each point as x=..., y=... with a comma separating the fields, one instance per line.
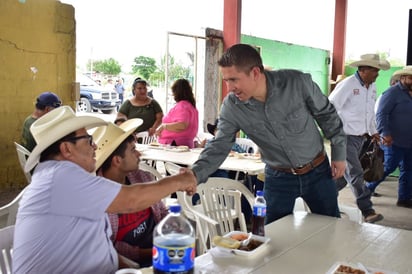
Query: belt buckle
x=294, y=170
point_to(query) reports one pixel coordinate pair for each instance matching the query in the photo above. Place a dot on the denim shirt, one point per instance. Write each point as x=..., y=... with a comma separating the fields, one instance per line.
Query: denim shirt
x=284, y=127
x=394, y=114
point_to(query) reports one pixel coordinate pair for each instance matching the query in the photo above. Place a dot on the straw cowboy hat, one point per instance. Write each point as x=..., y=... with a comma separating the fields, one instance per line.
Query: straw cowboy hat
x=371, y=60
x=109, y=137
x=53, y=126
x=405, y=71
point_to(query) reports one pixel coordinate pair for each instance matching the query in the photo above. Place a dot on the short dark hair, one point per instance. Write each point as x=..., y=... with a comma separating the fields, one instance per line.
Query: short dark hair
x=54, y=149
x=244, y=57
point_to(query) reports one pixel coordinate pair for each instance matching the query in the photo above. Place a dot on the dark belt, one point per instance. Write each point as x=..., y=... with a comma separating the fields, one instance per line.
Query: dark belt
x=305, y=168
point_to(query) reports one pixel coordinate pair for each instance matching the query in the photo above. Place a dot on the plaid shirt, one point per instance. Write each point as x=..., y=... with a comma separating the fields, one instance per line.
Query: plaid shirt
x=159, y=211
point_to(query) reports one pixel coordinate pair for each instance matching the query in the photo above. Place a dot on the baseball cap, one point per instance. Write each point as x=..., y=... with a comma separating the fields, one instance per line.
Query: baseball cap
x=48, y=99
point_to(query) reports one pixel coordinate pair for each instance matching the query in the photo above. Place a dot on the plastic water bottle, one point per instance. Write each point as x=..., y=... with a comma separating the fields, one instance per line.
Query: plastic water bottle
x=174, y=244
x=259, y=214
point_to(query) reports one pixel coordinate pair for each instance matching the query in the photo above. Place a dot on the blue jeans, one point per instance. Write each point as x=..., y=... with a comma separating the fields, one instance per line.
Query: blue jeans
x=316, y=187
x=396, y=156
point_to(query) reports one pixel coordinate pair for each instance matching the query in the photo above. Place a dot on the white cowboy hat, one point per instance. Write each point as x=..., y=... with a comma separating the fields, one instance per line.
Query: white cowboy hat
x=109, y=137
x=53, y=126
x=405, y=71
x=371, y=60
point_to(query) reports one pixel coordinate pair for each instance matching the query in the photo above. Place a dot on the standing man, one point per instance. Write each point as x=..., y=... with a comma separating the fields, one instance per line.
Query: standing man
x=394, y=125
x=46, y=102
x=62, y=224
x=354, y=98
x=279, y=111
x=120, y=88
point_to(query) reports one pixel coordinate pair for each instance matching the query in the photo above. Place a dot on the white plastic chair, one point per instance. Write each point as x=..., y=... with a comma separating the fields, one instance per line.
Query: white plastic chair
x=146, y=139
x=23, y=154
x=145, y=167
x=300, y=205
x=353, y=213
x=6, y=249
x=8, y=212
x=248, y=145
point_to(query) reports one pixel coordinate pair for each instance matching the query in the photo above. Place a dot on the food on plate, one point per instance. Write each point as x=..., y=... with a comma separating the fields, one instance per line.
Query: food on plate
x=226, y=242
x=183, y=147
x=253, y=244
x=239, y=236
x=345, y=269
x=154, y=144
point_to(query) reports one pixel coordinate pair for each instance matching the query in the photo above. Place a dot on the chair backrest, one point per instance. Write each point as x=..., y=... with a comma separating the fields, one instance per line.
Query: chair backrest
x=145, y=167
x=6, y=248
x=8, y=212
x=300, y=205
x=146, y=139
x=353, y=213
x=23, y=154
x=248, y=145
x=172, y=168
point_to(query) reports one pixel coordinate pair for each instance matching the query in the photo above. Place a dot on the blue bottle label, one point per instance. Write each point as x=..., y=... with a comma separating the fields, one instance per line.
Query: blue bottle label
x=259, y=210
x=173, y=259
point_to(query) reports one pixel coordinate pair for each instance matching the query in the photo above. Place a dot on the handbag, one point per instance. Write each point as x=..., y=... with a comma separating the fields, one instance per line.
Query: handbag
x=371, y=159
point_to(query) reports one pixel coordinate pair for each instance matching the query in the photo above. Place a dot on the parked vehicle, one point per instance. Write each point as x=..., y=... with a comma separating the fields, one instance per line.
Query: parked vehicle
x=94, y=97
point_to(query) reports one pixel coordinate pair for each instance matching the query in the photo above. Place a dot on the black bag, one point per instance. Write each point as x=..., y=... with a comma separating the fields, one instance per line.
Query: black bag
x=371, y=159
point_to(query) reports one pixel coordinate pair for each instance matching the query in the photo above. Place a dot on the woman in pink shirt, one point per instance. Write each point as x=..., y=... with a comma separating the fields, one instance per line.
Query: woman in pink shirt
x=180, y=125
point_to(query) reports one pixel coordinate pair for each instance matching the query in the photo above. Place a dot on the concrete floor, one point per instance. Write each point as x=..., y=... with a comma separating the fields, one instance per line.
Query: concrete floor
x=394, y=216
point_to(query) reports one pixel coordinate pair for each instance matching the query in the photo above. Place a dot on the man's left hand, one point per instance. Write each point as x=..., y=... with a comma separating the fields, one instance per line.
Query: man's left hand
x=338, y=169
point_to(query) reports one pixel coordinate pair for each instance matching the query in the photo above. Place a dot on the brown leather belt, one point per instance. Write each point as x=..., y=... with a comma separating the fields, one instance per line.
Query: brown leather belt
x=305, y=168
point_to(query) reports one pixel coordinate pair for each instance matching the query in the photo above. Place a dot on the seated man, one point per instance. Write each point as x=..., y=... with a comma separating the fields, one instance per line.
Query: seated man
x=133, y=232
x=46, y=102
x=62, y=224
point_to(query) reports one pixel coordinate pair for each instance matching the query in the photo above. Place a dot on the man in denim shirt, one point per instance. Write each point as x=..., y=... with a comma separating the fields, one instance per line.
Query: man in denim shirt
x=280, y=111
x=394, y=124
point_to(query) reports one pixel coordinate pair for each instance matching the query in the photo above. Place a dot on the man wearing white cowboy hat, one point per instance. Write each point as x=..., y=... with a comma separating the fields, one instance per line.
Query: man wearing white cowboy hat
x=62, y=224
x=354, y=99
x=394, y=125
x=118, y=160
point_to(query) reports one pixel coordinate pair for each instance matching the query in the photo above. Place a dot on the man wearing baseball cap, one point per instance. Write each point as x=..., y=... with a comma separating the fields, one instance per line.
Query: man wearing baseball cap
x=354, y=99
x=46, y=102
x=62, y=224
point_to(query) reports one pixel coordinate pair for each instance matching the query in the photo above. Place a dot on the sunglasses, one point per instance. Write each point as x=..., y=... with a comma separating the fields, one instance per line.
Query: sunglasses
x=74, y=139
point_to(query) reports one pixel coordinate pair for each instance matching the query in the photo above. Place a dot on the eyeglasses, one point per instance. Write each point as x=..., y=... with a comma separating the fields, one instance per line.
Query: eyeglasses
x=74, y=139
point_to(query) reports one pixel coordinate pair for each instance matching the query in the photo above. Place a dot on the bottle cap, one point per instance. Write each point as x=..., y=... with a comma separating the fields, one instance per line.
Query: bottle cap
x=175, y=208
x=259, y=193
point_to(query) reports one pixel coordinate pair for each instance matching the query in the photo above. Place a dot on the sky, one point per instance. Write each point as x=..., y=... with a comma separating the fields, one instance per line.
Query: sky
x=125, y=29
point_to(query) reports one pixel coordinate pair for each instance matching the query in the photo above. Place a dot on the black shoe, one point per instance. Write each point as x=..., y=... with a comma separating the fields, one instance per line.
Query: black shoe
x=376, y=194
x=404, y=203
x=373, y=217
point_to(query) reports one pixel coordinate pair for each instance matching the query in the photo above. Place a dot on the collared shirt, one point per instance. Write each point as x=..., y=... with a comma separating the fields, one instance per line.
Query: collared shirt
x=62, y=225
x=284, y=127
x=394, y=114
x=355, y=105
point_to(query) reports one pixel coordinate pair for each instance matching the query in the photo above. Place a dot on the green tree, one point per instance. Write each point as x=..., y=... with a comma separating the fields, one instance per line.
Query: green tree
x=144, y=66
x=108, y=66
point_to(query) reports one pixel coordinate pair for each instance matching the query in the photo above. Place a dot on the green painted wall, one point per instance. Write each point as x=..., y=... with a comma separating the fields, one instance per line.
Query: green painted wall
x=281, y=55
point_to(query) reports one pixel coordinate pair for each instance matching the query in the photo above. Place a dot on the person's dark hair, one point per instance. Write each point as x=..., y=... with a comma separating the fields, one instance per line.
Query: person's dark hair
x=182, y=90
x=54, y=149
x=243, y=57
x=119, y=151
x=138, y=80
